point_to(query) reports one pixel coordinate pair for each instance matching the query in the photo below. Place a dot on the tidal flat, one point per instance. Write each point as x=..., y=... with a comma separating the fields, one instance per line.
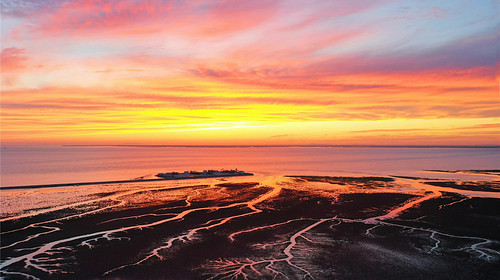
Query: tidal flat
x=262, y=227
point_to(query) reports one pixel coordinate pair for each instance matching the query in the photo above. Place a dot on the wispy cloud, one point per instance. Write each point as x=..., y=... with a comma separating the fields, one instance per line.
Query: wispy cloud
x=103, y=65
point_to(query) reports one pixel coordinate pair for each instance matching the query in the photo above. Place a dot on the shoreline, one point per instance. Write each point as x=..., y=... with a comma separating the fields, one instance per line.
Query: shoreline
x=119, y=181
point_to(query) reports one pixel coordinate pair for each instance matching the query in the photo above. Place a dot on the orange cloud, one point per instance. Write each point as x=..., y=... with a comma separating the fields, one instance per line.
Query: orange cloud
x=237, y=70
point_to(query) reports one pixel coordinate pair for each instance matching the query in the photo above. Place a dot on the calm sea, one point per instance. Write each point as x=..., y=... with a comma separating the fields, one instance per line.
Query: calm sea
x=66, y=164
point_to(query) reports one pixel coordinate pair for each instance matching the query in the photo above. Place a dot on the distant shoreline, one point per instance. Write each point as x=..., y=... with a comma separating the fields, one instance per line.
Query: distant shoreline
x=291, y=146
x=120, y=181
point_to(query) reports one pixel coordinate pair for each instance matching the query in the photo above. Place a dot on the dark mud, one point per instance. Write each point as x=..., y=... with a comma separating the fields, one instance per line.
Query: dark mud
x=283, y=230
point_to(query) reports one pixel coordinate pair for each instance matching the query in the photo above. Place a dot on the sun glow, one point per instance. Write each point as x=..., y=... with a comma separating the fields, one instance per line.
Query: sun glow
x=255, y=73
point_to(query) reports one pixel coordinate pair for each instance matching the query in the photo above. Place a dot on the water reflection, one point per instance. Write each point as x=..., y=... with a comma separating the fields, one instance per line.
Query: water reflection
x=51, y=165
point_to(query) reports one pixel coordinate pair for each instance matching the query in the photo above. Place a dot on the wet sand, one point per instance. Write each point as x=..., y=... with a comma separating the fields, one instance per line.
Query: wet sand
x=142, y=180
x=303, y=227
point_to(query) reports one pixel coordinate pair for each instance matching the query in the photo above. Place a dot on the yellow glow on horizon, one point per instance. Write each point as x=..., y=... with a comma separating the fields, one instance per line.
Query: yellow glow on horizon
x=287, y=133
x=145, y=81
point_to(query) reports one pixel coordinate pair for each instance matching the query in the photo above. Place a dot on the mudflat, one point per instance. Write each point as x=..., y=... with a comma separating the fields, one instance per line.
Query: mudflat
x=281, y=227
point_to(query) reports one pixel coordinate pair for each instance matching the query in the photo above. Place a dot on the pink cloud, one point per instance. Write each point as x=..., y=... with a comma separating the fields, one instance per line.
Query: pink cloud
x=119, y=18
x=13, y=62
x=13, y=59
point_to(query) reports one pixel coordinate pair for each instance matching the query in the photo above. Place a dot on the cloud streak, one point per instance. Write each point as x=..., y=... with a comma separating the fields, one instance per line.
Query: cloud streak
x=127, y=65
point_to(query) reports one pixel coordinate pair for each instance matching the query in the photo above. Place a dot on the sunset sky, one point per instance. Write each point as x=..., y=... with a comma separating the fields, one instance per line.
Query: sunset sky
x=257, y=72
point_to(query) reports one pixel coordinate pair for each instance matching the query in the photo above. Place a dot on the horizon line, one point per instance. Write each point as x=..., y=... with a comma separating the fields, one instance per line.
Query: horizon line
x=281, y=146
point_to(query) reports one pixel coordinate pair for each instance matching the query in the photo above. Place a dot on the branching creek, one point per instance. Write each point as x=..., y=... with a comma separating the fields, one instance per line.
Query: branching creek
x=269, y=227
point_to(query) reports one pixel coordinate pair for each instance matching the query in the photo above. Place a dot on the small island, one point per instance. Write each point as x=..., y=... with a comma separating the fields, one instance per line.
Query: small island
x=204, y=174
x=159, y=177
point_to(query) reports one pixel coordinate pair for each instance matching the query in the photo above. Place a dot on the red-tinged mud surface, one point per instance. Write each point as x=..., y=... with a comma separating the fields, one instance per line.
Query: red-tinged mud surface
x=298, y=227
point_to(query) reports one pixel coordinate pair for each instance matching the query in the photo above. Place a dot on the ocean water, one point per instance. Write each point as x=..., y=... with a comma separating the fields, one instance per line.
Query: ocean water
x=68, y=164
